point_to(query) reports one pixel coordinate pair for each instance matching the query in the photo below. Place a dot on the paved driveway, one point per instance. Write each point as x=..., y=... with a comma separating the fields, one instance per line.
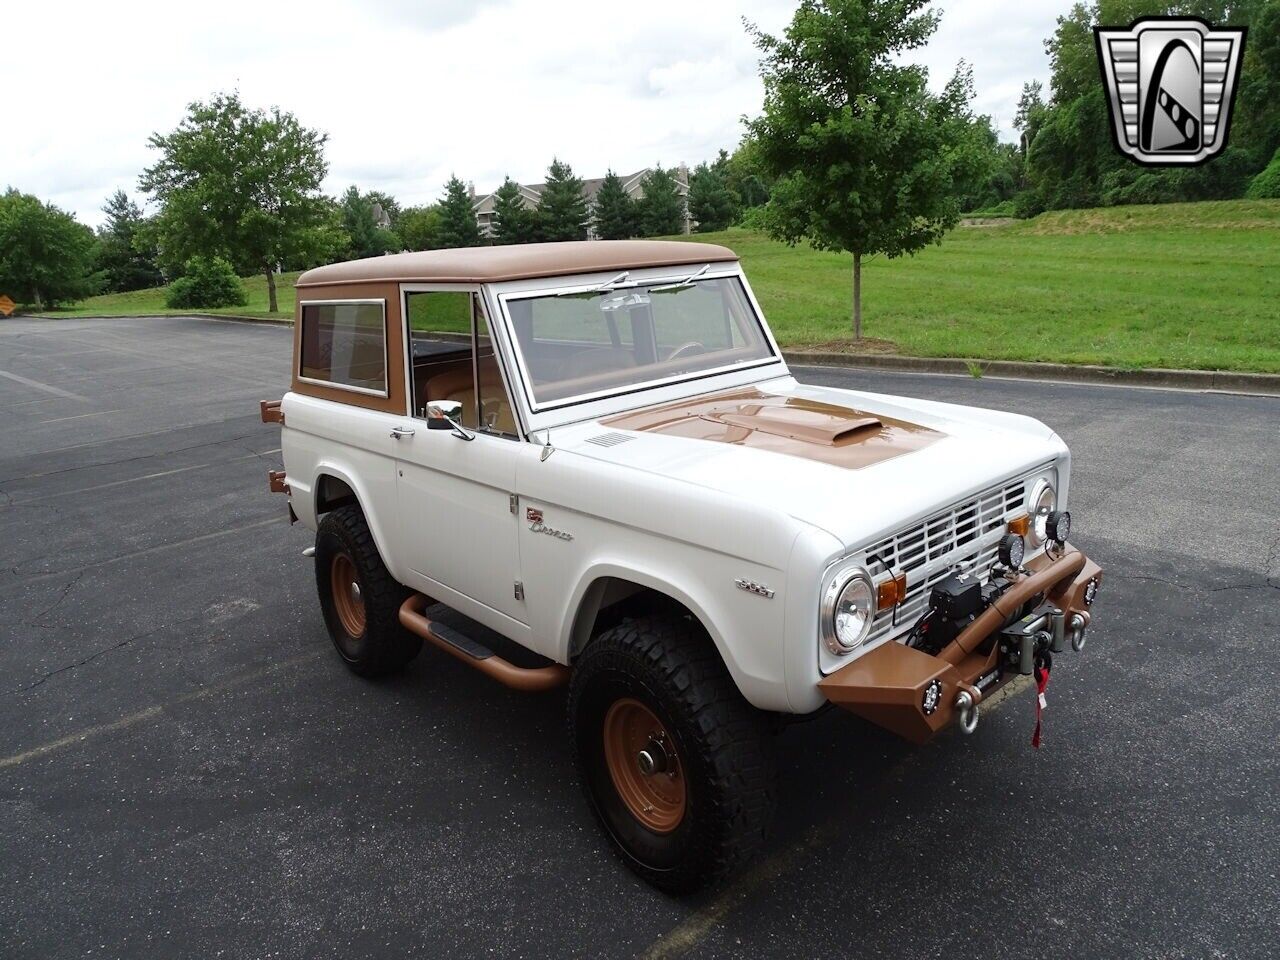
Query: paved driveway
x=185, y=769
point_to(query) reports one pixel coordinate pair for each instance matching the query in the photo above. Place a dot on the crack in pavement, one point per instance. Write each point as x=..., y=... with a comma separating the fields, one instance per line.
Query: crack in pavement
x=35, y=621
x=1267, y=584
x=136, y=436
x=52, y=574
x=119, y=645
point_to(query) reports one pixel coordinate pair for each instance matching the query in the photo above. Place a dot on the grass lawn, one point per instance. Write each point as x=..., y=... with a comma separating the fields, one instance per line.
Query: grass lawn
x=139, y=302
x=1181, y=285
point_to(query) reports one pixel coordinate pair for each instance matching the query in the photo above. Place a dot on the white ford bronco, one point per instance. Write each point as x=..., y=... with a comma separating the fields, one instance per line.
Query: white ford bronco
x=596, y=451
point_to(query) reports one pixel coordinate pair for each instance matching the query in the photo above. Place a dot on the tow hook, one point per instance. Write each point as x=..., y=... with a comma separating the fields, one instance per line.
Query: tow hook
x=966, y=712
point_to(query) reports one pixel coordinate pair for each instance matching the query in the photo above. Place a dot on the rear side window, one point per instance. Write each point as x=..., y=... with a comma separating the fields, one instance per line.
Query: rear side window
x=345, y=344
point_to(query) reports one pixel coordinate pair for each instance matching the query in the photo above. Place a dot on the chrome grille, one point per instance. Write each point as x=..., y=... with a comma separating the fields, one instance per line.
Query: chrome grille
x=965, y=535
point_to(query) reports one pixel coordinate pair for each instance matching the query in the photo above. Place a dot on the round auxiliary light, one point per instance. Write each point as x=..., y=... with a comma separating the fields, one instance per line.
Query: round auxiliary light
x=1057, y=526
x=1044, y=500
x=849, y=608
x=1012, y=550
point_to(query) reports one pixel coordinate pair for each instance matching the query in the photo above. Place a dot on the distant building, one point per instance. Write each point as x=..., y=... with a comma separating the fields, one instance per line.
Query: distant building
x=531, y=195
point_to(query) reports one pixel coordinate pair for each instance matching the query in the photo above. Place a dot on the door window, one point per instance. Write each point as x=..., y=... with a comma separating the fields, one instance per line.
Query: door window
x=454, y=359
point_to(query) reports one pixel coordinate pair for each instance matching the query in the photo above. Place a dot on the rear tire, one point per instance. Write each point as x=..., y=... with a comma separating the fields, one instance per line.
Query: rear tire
x=677, y=766
x=359, y=597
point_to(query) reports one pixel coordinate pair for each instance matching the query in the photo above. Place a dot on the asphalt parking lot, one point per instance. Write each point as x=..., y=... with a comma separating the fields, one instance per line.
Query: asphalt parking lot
x=187, y=770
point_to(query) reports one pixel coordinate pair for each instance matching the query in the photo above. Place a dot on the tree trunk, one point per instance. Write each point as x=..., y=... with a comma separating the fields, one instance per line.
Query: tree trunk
x=271, y=289
x=857, y=296
x=39, y=299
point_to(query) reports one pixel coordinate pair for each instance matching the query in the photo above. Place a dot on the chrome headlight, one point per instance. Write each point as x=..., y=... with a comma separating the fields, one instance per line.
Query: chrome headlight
x=848, y=609
x=1044, y=500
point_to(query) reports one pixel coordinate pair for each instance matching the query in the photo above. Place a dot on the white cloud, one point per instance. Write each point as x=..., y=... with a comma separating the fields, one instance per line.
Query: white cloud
x=410, y=92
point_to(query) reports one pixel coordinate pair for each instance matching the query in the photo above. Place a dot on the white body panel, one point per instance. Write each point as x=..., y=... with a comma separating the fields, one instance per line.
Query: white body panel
x=686, y=517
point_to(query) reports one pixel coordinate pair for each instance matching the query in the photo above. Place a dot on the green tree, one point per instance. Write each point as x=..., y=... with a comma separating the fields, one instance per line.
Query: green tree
x=711, y=202
x=745, y=176
x=419, y=228
x=562, y=209
x=660, y=210
x=514, y=221
x=239, y=183
x=867, y=159
x=385, y=207
x=126, y=250
x=367, y=237
x=615, y=211
x=458, y=226
x=46, y=255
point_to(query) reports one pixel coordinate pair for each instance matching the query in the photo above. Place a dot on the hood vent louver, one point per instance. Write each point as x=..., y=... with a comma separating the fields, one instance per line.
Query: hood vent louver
x=609, y=439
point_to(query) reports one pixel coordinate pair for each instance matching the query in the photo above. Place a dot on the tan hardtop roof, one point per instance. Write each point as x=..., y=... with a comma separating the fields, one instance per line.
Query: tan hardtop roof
x=516, y=262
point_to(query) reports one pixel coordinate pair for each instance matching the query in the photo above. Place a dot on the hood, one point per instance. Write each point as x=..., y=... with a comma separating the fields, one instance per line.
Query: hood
x=855, y=464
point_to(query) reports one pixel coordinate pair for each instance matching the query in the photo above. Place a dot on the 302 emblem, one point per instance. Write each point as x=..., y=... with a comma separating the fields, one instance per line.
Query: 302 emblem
x=759, y=589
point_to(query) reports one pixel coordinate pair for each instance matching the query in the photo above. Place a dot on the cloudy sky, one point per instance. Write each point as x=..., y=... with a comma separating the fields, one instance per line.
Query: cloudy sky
x=410, y=92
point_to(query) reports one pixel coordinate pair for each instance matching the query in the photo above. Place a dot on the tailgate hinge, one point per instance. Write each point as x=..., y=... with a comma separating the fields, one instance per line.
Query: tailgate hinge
x=275, y=480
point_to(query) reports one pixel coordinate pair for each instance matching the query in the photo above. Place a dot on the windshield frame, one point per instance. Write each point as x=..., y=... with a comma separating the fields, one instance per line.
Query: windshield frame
x=642, y=278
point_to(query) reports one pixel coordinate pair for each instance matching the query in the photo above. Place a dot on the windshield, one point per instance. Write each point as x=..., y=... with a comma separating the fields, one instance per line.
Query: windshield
x=583, y=345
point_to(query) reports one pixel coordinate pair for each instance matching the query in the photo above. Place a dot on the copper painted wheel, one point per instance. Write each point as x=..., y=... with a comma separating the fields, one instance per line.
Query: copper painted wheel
x=644, y=765
x=348, y=602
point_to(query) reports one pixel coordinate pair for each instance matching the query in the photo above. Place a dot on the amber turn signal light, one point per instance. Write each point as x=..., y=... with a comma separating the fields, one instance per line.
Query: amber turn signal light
x=891, y=592
x=1020, y=525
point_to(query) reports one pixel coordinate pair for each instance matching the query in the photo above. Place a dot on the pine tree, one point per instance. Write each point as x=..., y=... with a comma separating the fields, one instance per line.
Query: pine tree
x=615, y=211
x=513, y=221
x=366, y=236
x=562, y=210
x=711, y=202
x=661, y=210
x=458, y=226
x=126, y=254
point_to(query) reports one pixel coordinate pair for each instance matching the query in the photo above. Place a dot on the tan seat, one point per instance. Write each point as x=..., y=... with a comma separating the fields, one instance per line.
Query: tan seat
x=455, y=383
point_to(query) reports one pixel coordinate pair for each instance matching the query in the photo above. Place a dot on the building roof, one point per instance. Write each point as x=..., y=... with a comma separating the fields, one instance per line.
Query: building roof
x=532, y=192
x=516, y=262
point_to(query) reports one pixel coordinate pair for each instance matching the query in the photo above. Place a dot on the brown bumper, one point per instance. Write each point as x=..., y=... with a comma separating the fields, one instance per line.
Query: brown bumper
x=888, y=685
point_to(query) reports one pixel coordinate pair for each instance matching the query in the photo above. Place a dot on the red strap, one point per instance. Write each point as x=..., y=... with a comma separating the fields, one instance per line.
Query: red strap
x=1042, y=681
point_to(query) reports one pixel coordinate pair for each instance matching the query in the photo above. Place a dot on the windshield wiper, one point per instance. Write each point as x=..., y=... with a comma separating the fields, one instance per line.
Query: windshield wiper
x=682, y=284
x=607, y=285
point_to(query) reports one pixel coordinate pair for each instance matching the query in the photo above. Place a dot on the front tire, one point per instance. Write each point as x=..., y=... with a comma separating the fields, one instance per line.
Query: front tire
x=677, y=766
x=359, y=597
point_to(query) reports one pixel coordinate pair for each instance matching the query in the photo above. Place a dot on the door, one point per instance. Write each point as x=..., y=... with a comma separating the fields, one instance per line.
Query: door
x=454, y=495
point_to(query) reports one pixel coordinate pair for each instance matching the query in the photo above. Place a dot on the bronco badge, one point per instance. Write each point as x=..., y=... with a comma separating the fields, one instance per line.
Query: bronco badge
x=1170, y=84
x=534, y=516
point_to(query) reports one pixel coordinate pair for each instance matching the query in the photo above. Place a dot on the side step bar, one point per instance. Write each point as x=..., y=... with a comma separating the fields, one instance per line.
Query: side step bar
x=477, y=655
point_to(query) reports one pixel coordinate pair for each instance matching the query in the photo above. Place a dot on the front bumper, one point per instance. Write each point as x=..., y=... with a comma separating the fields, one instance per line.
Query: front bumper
x=915, y=694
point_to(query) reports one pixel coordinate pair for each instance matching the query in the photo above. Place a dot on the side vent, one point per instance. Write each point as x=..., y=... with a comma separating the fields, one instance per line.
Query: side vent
x=610, y=439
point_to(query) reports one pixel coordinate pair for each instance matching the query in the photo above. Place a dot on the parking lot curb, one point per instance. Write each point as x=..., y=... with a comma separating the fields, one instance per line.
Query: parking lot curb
x=1224, y=381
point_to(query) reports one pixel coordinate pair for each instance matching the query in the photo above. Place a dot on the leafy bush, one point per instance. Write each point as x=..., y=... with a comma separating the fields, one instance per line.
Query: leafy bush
x=1266, y=185
x=207, y=282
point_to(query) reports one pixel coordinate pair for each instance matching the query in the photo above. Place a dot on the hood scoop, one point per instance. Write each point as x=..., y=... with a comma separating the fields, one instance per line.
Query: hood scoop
x=785, y=424
x=806, y=421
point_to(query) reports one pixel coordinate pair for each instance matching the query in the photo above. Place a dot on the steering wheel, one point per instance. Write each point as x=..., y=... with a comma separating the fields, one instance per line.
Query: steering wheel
x=691, y=345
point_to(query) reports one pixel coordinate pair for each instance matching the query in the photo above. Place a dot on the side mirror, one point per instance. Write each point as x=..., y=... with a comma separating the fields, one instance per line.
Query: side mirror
x=444, y=415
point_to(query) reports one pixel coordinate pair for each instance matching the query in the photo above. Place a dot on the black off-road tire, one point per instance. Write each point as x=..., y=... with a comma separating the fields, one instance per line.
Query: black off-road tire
x=723, y=745
x=365, y=629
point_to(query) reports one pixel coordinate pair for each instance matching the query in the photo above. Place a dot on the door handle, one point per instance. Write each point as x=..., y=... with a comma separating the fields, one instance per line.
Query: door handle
x=398, y=432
